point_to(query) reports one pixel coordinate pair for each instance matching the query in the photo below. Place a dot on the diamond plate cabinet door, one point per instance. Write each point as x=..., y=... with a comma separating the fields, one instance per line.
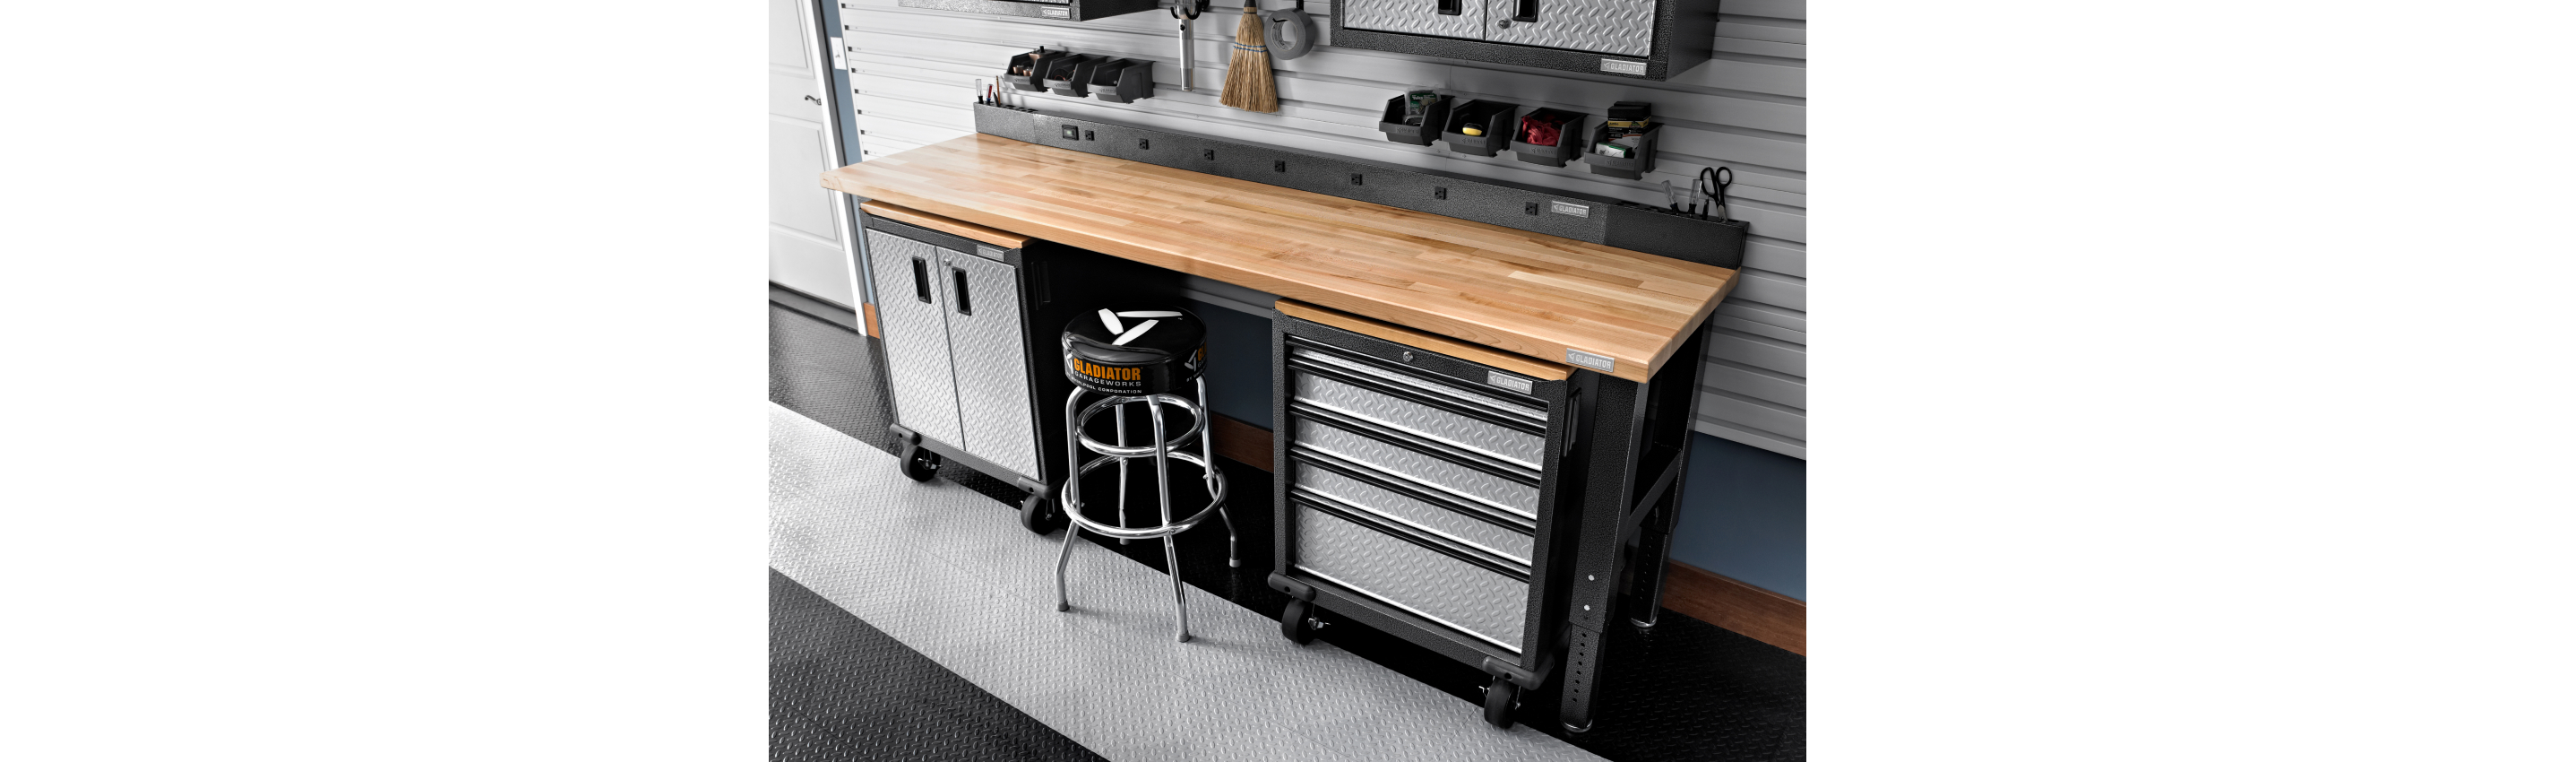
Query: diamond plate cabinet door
x=1616, y=27
x=984, y=327
x=911, y=311
x=1643, y=39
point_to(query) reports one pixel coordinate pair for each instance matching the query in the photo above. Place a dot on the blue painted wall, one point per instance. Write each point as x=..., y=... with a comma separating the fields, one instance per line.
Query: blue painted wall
x=1744, y=515
x=1744, y=509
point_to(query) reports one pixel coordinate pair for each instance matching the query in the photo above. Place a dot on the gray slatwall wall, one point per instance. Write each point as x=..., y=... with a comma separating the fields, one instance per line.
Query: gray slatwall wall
x=912, y=73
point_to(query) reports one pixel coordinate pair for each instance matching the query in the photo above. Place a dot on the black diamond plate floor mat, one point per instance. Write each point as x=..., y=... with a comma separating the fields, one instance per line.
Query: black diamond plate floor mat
x=1684, y=690
x=840, y=690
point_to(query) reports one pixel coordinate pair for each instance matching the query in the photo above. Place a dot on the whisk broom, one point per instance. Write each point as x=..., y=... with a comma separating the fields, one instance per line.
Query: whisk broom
x=1247, y=78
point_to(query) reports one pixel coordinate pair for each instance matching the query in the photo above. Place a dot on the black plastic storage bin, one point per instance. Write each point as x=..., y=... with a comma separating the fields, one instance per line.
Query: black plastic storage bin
x=1027, y=71
x=1434, y=119
x=1122, y=80
x=1495, y=117
x=1069, y=75
x=1569, y=140
x=1634, y=167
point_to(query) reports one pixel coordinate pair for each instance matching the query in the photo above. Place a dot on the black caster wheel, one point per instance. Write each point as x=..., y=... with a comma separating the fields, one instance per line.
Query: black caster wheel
x=1037, y=514
x=1500, y=698
x=1298, y=622
x=919, y=463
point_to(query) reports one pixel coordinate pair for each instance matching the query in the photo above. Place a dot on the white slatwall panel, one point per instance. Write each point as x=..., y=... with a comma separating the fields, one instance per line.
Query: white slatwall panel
x=913, y=73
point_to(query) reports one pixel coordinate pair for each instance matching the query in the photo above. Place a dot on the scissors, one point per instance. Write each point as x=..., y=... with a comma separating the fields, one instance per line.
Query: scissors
x=1712, y=183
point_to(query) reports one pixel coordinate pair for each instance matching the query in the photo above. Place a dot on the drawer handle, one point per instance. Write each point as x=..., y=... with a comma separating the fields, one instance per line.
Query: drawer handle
x=1449, y=7
x=1528, y=11
x=921, y=280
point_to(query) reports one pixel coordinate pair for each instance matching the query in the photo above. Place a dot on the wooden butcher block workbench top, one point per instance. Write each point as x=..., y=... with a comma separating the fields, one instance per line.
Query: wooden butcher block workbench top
x=1528, y=293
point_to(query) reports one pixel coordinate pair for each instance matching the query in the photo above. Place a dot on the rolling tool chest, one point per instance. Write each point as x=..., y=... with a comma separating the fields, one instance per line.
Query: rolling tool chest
x=971, y=356
x=1647, y=39
x=1426, y=493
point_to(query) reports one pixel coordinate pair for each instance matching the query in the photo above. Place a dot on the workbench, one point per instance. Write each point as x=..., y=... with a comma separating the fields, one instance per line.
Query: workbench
x=1526, y=293
x=1609, y=323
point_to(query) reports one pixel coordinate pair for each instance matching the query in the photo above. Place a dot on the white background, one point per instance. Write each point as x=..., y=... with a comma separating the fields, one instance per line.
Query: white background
x=386, y=382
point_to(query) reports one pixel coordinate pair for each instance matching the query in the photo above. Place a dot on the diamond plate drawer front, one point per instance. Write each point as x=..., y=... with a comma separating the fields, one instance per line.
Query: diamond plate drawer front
x=1395, y=506
x=1414, y=17
x=1449, y=390
x=1463, y=596
x=1617, y=27
x=1522, y=448
x=916, y=335
x=1434, y=473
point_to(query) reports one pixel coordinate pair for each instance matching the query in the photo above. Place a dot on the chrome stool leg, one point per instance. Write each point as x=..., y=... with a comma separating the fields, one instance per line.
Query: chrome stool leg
x=1121, y=412
x=1163, y=491
x=1069, y=498
x=1207, y=446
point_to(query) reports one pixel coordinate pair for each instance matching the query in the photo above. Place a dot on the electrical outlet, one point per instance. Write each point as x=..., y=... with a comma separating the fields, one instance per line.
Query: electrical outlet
x=1530, y=208
x=1279, y=166
x=1086, y=135
x=1144, y=145
x=1355, y=178
x=1440, y=193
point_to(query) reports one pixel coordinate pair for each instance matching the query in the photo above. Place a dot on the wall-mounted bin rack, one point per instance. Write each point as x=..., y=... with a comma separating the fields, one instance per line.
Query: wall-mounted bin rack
x=1569, y=140
x=1493, y=117
x=1069, y=76
x=1638, y=163
x=1642, y=39
x=1121, y=80
x=1027, y=71
x=1059, y=10
x=1433, y=120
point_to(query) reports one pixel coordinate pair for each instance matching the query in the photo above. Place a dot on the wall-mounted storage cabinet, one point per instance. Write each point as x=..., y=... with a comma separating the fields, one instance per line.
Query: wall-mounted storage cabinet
x=1060, y=10
x=1645, y=39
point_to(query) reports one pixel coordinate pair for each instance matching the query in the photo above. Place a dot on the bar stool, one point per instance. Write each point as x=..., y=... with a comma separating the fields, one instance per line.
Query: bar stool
x=1138, y=357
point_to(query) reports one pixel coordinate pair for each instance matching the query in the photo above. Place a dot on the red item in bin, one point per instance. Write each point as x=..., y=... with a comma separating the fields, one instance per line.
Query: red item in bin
x=1542, y=129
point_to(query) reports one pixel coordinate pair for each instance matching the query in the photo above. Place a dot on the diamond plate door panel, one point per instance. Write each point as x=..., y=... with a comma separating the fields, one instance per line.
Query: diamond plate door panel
x=1465, y=597
x=1414, y=17
x=1616, y=27
x=1407, y=465
x=991, y=350
x=1398, y=507
x=911, y=314
x=1521, y=448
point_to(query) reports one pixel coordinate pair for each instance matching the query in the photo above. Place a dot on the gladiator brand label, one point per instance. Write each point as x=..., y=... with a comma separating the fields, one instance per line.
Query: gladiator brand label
x=1514, y=383
x=1616, y=66
x=989, y=252
x=1107, y=373
x=1567, y=207
x=1055, y=13
x=1590, y=360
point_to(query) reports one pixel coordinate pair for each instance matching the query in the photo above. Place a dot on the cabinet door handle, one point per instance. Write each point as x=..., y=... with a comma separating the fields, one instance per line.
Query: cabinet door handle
x=965, y=304
x=1528, y=11
x=1448, y=7
x=921, y=280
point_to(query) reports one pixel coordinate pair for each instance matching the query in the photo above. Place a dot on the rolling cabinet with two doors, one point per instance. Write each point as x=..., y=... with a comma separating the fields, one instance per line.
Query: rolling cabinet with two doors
x=971, y=319
x=1483, y=505
x=1644, y=39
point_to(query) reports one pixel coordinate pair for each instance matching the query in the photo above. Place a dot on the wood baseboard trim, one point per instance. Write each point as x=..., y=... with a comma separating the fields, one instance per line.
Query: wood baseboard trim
x=1242, y=442
x=1688, y=590
x=1749, y=611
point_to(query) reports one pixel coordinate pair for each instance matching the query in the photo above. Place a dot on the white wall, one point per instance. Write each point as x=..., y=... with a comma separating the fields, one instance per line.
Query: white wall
x=913, y=72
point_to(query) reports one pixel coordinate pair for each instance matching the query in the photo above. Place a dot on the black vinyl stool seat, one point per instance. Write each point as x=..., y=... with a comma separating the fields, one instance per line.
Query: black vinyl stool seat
x=1139, y=355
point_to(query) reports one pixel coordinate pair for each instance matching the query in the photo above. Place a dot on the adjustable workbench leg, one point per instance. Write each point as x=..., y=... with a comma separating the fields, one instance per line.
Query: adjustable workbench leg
x=1674, y=418
x=1615, y=410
